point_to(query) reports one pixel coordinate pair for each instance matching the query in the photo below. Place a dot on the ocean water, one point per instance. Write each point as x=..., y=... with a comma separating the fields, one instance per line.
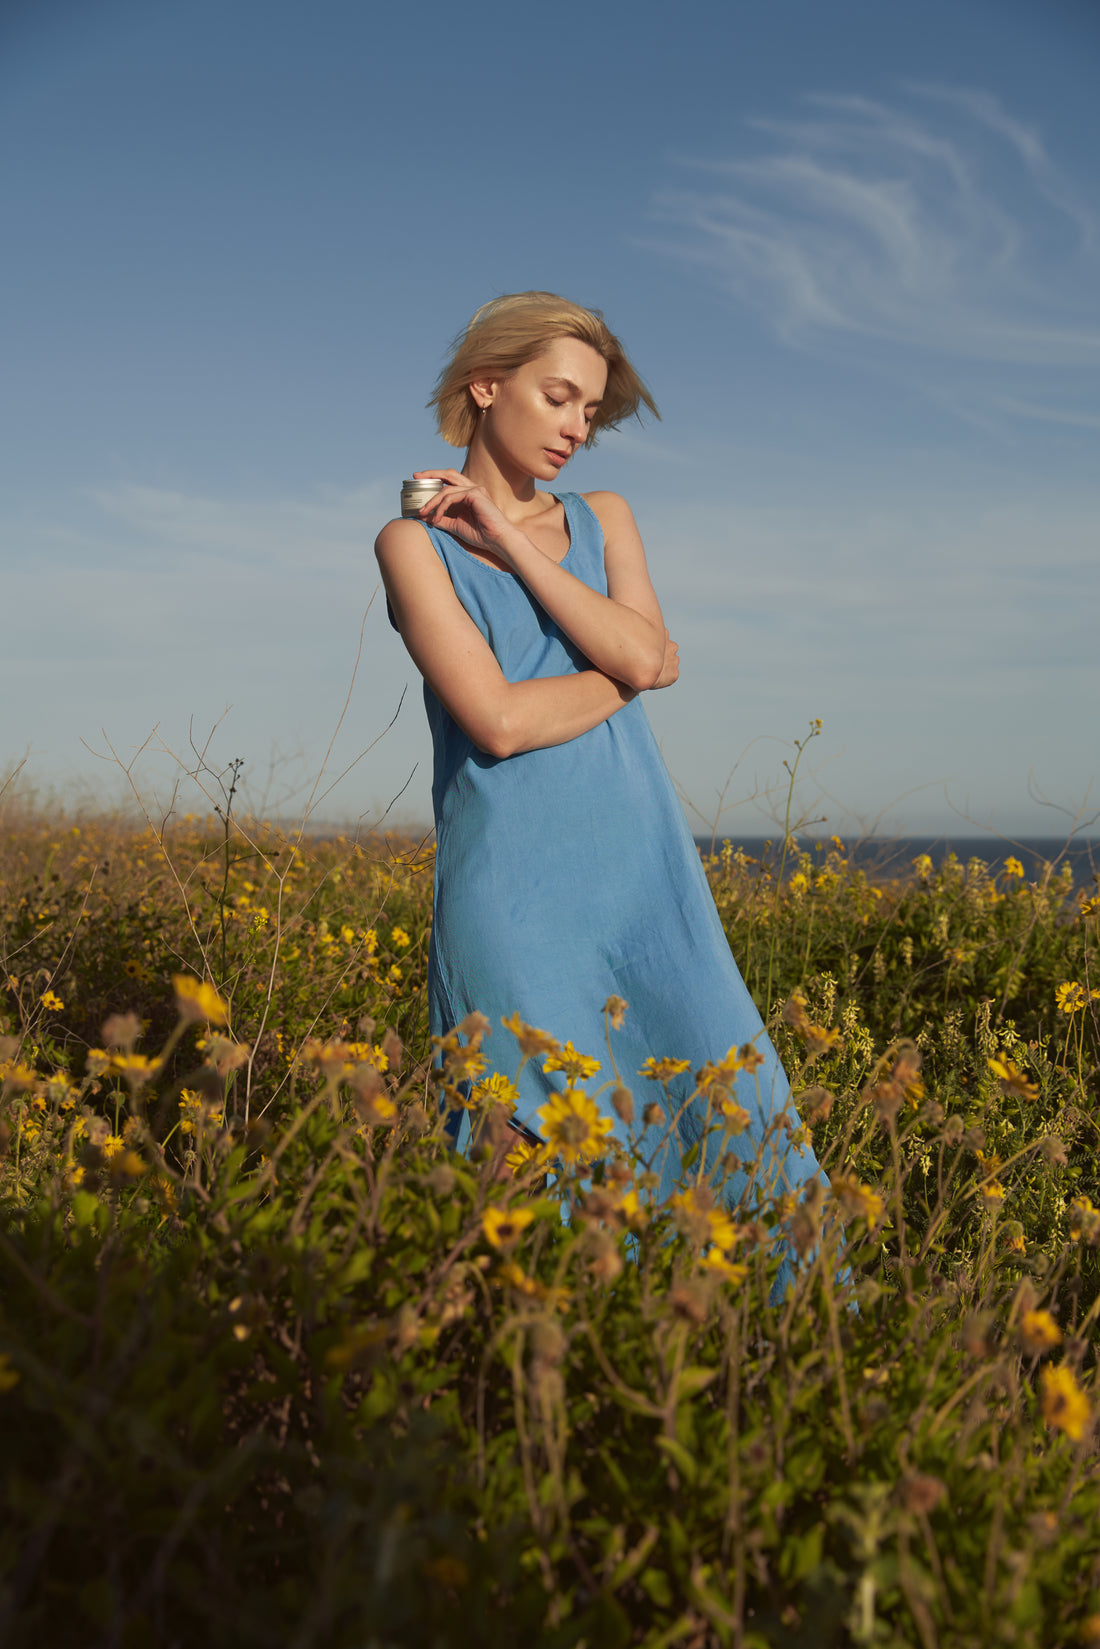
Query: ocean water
x=888, y=858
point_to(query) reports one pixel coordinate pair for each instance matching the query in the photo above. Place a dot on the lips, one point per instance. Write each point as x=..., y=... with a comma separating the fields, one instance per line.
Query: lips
x=558, y=458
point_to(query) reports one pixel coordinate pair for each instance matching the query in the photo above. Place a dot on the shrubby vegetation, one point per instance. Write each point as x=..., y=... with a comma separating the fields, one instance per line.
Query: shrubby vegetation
x=277, y=1367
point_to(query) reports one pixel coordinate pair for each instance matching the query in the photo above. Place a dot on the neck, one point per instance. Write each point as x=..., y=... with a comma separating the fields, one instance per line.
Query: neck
x=512, y=490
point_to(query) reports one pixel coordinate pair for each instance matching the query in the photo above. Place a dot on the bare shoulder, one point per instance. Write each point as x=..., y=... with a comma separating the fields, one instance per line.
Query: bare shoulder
x=610, y=508
x=403, y=540
x=622, y=540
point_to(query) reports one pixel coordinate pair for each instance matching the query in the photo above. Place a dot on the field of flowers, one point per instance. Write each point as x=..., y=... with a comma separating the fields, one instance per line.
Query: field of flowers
x=277, y=1367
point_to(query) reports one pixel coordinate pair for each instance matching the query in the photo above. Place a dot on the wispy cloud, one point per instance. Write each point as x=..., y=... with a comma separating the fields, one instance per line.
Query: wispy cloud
x=1065, y=416
x=940, y=224
x=329, y=531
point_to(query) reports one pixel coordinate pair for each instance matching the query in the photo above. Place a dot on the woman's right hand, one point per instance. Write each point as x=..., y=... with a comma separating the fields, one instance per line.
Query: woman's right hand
x=670, y=669
x=465, y=510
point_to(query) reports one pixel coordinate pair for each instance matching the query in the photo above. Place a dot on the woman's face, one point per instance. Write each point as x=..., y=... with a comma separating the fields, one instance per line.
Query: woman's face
x=538, y=417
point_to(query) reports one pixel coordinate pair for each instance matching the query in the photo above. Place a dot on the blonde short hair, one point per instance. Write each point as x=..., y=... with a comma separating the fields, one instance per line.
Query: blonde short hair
x=508, y=332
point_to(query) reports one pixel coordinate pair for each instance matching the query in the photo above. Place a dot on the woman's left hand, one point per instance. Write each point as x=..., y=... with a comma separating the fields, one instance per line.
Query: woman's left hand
x=670, y=669
x=467, y=511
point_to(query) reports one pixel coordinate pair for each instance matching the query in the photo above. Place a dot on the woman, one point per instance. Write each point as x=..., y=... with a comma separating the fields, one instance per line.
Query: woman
x=565, y=872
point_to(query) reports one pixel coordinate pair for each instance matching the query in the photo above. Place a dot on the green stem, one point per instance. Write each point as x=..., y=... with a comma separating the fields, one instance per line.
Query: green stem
x=800, y=746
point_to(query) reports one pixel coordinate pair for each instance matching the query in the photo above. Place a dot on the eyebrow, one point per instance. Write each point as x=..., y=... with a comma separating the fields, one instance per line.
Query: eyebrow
x=567, y=383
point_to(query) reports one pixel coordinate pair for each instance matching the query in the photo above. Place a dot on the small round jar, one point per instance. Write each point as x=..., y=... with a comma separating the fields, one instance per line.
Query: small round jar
x=414, y=494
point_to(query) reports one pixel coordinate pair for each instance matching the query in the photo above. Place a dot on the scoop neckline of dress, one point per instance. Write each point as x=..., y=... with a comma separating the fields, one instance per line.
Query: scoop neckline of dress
x=503, y=572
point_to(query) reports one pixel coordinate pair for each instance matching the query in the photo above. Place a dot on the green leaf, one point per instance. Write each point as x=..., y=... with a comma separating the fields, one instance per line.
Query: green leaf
x=86, y=1207
x=693, y=1379
x=629, y=1565
x=800, y=1556
x=655, y=1584
x=679, y=1456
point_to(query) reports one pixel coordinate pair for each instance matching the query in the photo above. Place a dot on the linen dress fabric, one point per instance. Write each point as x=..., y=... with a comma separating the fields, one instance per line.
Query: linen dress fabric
x=567, y=875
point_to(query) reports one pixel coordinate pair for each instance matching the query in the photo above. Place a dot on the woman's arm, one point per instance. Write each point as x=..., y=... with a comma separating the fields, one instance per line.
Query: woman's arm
x=622, y=633
x=501, y=717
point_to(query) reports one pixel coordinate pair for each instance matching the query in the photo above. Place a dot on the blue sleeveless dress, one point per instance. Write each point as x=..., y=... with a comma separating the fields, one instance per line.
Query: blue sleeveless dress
x=567, y=875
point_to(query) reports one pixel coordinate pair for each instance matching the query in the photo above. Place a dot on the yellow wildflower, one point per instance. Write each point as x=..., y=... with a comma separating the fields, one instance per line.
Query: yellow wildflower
x=164, y=1187
x=62, y=1092
x=51, y=1002
x=400, y=938
x=857, y=1200
x=503, y=1227
x=818, y=1039
x=518, y=1279
x=723, y=1233
x=1012, y=1079
x=496, y=1089
x=735, y=1118
x=573, y=1126
x=922, y=864
x=198, y=1114
x=1013, y=867
x=551, y=1295
x=365, y=1053
x=1039, y=1332
x=750, y=1056
x=700, y=1221
x=720, y=1073
x=136, y=1068
x=663, y=1070
x=577, y=1067
x=112, y=1145
x=728, y=1270
x=15, y=1074
x=992, y=1193
x=524, y=1156
x=197, y=1001
x=794, y=1009
x=634, y=1210
x=377, y=1110
x=1091, y=907
x=1065, y=1405
x=462, y=1061
x=531, y=1040
x=1084, y=1220
x=1072, y=996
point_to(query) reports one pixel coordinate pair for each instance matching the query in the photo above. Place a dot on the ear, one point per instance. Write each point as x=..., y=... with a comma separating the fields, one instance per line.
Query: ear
x=483, y=390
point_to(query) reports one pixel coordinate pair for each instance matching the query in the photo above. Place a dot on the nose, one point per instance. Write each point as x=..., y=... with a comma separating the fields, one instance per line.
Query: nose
x=575, y=426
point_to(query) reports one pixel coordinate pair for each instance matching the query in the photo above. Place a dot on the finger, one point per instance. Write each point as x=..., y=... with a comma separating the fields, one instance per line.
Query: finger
x=452, y=489
x=442, y=475
x=443, y=499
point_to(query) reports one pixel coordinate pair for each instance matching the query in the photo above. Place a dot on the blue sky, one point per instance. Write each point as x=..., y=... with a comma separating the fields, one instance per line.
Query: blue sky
x=853, y=247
